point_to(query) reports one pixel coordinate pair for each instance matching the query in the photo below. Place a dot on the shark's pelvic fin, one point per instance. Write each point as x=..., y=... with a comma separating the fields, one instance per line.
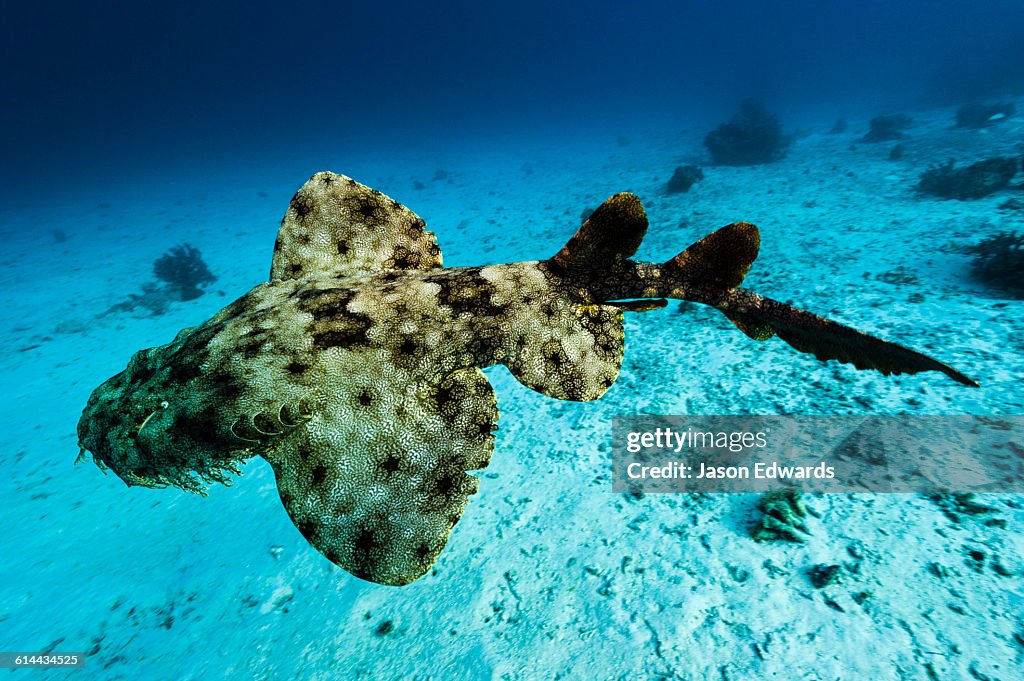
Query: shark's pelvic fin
x=571, y=347
x=568, y=350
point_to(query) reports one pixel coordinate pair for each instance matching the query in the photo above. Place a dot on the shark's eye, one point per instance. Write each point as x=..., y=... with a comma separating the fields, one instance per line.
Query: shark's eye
x=163, y=404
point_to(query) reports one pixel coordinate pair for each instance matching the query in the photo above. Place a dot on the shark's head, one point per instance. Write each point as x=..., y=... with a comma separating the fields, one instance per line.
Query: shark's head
x=124, y=424
x=143, y=425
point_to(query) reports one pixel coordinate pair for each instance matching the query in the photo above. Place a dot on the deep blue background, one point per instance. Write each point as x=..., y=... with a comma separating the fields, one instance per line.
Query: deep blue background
x=111, y=88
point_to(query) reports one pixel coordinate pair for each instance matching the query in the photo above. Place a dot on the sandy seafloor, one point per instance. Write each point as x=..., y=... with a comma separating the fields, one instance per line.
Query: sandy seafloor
x=549, y=575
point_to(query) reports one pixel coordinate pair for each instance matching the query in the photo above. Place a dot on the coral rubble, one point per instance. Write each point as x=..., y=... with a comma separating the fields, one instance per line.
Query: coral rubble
x=783, y=513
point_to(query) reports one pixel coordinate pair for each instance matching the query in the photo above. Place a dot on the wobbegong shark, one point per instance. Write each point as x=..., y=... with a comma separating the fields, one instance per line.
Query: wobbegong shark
x=356, y=370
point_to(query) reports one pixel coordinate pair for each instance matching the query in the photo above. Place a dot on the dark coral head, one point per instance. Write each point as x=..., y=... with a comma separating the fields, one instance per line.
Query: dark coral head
x=183, y=269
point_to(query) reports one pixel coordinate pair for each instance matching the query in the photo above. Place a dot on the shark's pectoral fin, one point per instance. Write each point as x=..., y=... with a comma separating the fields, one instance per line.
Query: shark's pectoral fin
x=568, y=351
x=379, y=498
x=761, y=317
x=334, y=224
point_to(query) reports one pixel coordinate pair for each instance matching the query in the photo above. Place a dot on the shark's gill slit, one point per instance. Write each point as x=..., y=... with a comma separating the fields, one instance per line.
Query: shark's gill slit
x=284, y=416
x=267, y=427
x=282, y=413
x=234, y=430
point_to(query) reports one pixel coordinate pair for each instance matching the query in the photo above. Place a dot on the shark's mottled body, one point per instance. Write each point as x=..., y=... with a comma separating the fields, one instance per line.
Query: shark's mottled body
x=356, y=370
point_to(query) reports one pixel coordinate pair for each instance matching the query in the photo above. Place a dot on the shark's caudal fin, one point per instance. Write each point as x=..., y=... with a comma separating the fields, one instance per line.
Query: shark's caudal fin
x=709, y=272
x=761, y=317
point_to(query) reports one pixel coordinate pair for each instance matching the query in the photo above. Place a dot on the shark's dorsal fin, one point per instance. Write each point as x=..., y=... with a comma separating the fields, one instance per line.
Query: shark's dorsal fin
x=611, y=234
x=334, y=224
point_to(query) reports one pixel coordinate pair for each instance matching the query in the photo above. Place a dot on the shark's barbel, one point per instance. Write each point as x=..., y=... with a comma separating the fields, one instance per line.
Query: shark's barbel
x=355, y=371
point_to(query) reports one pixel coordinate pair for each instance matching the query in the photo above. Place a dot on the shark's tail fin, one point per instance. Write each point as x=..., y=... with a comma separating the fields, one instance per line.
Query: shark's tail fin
x=710, y=271
x=761, y=318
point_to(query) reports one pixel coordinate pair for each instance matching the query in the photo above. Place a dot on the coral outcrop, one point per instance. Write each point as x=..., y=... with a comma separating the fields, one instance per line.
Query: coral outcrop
x=975, y=181
x=751, y=137
x=978, y=115
x=999, y=263
x=887, y=128
x=683, y=178
x=183, y=270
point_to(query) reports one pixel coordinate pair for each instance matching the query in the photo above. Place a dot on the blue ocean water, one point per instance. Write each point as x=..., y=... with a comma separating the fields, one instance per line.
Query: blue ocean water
x=129, y=129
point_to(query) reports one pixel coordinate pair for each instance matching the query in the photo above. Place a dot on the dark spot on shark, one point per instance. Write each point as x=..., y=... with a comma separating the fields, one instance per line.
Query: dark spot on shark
x=403, y=260
x=556, y=358
x=251, y=344
x=296, y=368
x=484, y=428
x=354, y=335
x=324, y=302
x=444, y=484
x=469, y=296
x=365, y=397
x=188, y=370
x=408, y=347
x=300, y=205
x=196, y=427
x=391, y=464
x=228, y=386
x=307, y=528
x=445, y=399
x=366, y=540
